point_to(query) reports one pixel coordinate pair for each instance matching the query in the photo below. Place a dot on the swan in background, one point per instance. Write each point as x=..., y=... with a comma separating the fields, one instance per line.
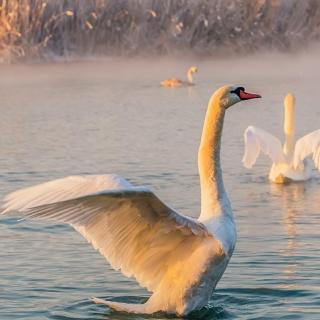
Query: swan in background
x=174, y=82
x=290, y=162
x=178, y=258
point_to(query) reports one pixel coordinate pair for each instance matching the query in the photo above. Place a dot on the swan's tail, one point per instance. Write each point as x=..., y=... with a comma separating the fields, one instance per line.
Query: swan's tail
x=123, y=307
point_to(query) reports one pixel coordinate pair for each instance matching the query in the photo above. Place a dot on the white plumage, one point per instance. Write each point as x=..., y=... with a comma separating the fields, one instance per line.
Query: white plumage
x=290, y=160
x=258, y=140
x=309, y=145
x=178, y=258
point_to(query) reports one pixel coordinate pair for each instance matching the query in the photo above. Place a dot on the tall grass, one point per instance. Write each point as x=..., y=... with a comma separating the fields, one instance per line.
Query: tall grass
x=46, y=29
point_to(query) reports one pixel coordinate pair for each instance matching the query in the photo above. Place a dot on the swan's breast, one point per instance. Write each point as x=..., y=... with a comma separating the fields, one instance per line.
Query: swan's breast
x=200, y=291
x=223, y=229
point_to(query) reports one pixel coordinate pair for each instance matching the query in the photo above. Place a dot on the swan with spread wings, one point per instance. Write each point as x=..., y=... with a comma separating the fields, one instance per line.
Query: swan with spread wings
x=290, y=161
x=177, y=258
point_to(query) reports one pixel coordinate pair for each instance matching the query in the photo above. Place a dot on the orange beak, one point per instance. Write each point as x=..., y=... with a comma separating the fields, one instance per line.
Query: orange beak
x=247, y=96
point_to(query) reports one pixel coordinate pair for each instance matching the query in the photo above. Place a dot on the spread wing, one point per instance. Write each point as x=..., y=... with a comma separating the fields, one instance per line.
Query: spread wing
x=257, y=140
x=135, y=231
x=307, y=146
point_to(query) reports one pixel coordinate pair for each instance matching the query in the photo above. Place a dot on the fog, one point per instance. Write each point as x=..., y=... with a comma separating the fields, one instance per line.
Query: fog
x=302, y=67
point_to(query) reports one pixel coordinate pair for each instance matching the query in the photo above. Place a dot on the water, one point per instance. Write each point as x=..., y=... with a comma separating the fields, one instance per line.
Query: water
x=112, y=117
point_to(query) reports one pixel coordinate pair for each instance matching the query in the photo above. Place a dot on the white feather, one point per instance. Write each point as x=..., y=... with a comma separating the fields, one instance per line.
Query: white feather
x=61, y=189
x=134, y=230
x=256, y=141
x=306, y=146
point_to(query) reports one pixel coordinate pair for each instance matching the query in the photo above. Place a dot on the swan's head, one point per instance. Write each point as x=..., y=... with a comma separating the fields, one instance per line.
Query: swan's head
x=289, y=101
x=229, y=95
x=193, y=69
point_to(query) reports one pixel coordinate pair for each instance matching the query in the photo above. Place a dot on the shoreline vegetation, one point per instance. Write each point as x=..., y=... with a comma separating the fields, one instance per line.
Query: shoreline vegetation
x=46, y=30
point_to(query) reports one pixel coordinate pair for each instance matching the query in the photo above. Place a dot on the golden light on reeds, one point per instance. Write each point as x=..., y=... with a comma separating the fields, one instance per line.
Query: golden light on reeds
x=152, y=13
x=69, y=13
x=94, y=15
x=41, y=28
x=89, y=25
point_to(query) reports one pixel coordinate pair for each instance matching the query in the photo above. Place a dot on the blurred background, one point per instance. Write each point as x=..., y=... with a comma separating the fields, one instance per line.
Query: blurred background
x=53, y=29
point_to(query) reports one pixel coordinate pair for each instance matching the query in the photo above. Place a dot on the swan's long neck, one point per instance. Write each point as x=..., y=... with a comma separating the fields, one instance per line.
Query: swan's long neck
x=213, y=195
x=289, y=128
x=189, y=75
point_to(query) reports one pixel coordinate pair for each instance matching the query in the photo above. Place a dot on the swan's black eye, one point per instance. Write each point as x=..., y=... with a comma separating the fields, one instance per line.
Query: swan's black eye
x=237, y=91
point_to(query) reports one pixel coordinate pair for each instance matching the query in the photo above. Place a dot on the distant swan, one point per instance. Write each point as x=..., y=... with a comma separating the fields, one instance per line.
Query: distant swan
x=174, y=82
x=178, y=258
x=289, y=161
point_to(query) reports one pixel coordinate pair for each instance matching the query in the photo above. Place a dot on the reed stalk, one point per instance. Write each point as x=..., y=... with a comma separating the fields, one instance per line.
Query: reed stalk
x=49, y=29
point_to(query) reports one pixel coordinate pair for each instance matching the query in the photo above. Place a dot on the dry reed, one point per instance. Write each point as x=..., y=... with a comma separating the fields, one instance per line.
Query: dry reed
x=47, y=29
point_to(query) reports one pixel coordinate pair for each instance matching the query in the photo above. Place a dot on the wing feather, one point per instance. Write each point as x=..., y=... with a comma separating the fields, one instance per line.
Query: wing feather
x=62, y=189
x=306, y=146
x=256, y=141
x=132, y=228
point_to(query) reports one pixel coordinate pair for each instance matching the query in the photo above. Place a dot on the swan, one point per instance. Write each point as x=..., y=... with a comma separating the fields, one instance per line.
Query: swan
x=178, y=258
x=174, y=82
x=290, y=162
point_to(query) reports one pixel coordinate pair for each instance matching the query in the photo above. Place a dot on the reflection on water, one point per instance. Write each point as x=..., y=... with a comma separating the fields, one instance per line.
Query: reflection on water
x=113, y=118
x=296, y=200
x=290, y=196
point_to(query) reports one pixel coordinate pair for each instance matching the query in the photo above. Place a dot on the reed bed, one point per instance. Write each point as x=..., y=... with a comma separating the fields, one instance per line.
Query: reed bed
x=49, y=29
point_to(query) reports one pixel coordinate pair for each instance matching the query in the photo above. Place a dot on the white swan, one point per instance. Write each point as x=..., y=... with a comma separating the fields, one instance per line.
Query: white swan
x=290, y=162
x=174, y=82
x=178, y=258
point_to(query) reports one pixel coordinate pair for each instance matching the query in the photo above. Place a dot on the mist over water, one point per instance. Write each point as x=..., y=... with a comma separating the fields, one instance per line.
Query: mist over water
x=111, y=116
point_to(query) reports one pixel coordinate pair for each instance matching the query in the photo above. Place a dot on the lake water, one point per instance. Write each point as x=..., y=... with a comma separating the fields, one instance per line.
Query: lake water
x=110, y=116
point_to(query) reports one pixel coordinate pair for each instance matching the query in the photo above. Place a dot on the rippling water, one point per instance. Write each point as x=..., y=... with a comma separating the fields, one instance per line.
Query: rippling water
x=112, y=117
